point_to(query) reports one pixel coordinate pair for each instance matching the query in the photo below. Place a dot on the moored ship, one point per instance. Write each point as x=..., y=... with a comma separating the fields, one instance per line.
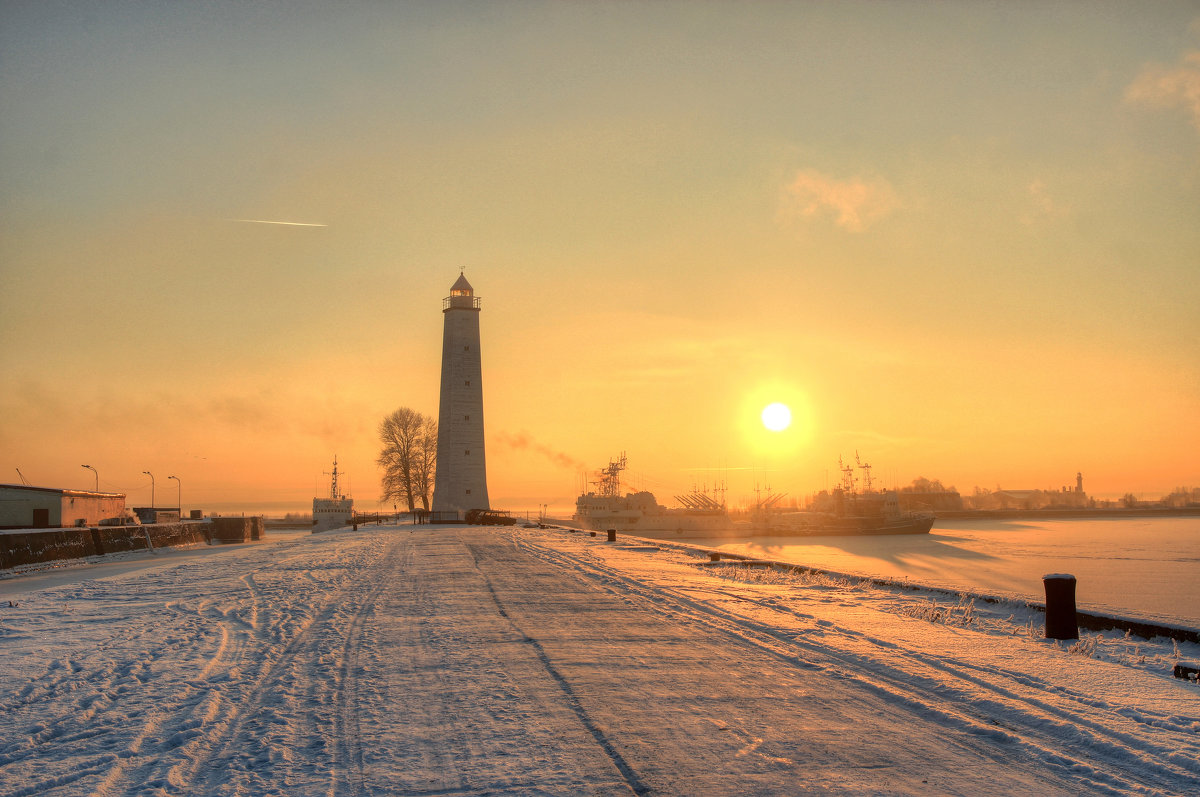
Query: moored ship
x=848, y=511
x=641, y=515
x=335, y=511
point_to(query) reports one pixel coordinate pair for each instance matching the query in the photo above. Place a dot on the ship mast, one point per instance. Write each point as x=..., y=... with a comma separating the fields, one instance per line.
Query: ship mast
x=866, y=469
x=333, y=488
x=847, y=476
x=609, y=481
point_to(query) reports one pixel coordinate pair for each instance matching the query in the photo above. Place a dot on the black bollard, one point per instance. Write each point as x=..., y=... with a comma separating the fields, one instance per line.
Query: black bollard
x=714, y=557
x=593, y=533
x=1060, y=606
x=612, y=535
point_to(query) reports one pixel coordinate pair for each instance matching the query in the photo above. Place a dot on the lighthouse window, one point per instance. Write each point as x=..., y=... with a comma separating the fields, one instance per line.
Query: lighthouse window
x=467, y=452
x=466, y=417
x=468, y=492
x=468, y=383
x=466, y=348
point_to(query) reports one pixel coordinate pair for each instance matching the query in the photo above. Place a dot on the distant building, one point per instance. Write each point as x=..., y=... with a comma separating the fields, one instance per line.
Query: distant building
x=460, y=481
x=24, y=507
x=1019, y=499
x=1064, y=498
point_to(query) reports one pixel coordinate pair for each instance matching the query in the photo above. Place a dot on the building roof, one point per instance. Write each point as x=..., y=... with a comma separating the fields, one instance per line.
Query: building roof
x=61, y=490
x=461, y=284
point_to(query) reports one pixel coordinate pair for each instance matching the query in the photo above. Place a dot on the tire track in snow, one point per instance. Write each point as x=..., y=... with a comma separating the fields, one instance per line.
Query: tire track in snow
x=990, y=701
x=1053, y=737
x=627, y=772
x=296, y=666
x=349, y=774
x=203, y=719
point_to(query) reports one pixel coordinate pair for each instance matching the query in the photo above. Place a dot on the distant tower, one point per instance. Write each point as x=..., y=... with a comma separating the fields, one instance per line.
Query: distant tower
x=1079, y=483
x=460, y=482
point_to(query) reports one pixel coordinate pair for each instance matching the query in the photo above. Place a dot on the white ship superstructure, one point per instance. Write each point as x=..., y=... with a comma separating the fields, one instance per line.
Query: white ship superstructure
x=335, y=511
x=640, y=513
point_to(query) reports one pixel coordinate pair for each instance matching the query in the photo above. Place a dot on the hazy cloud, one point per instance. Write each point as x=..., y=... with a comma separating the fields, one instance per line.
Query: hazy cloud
x=161, y=413
x=522, y=441
x=1162, y=86
x=1042, y=206
x=855, y=203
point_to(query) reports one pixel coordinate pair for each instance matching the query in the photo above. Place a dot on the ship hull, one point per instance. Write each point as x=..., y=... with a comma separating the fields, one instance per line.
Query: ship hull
x=818, y=525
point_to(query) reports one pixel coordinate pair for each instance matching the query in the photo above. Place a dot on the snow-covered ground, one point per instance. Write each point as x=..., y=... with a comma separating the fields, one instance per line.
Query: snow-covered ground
x=467, y=661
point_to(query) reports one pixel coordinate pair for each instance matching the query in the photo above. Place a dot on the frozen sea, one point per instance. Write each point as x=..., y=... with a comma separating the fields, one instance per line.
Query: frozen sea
x=1133, y=567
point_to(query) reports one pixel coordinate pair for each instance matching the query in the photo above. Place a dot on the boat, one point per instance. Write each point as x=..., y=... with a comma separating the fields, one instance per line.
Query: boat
x=335, y=511
x=848, y=511
x=640, y=514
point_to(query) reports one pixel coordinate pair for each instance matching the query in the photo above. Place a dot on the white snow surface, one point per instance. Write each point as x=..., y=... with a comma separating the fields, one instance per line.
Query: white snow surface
x=448, y=660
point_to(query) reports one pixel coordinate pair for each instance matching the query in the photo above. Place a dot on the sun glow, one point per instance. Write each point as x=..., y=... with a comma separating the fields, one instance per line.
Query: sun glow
x=776, y=417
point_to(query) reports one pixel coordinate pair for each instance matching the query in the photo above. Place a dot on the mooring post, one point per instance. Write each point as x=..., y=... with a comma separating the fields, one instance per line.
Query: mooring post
x=612, y=535
x=1060, y=606
x=592, y=533
x=714, y=557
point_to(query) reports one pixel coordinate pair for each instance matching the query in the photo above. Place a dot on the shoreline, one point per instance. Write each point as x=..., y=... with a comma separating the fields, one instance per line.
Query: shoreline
x=1088, y=619
x=1065, y=514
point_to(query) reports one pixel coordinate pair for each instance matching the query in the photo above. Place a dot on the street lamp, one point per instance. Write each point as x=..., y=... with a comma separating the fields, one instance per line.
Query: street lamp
x=178, y=494
x=97, y=475
x=151, y=475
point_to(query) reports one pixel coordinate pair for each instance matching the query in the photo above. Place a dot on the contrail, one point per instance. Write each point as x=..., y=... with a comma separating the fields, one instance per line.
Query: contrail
x=285, y=223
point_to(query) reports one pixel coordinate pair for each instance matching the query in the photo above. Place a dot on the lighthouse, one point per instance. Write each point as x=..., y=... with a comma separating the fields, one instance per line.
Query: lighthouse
x=460, y=481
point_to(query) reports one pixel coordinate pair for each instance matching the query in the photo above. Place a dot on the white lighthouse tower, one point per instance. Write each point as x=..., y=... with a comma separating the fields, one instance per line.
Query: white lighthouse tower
x=460, y=481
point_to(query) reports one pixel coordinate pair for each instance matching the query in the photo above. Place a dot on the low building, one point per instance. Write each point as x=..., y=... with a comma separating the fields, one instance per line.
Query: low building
x=25, y=507
x=149, y=514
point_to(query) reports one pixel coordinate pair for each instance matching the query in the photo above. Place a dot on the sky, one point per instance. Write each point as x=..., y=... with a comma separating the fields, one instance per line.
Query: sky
x=959, y=239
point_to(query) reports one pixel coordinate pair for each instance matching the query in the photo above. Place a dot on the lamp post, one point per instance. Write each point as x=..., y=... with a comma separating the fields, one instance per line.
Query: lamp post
x=178, y=494
x=96, y=474
x=151, y=475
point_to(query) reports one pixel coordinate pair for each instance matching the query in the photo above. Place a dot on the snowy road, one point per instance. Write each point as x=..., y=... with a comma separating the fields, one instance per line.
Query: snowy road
x=469, y=661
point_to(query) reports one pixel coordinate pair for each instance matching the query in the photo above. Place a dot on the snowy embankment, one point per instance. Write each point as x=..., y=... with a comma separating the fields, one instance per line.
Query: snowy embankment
x=447, y=660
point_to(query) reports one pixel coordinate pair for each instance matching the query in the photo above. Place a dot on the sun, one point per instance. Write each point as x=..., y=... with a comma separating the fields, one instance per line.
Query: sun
x=776, y=417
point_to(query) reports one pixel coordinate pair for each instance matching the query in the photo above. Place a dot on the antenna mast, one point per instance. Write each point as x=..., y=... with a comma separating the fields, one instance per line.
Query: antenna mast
x=866, y=469
x=609, y=481
x=333, y=488
x=847, y=476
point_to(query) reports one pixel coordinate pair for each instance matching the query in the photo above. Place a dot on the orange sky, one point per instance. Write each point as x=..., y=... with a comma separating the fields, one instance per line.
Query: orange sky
x=962, y=240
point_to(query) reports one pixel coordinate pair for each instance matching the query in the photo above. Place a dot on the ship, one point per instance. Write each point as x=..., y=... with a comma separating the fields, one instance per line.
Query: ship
x=847, y=511
x=335, y=511
x=639, y=513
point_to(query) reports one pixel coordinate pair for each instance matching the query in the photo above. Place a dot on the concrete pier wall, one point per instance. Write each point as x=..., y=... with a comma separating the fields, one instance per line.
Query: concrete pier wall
x=33, y=547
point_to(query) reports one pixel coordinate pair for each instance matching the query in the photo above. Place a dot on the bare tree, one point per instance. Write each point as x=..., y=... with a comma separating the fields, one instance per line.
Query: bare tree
x=408, y=456
x=425, y=461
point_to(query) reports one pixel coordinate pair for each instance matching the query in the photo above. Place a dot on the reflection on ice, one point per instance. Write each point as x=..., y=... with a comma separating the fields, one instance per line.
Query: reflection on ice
x=1142, y=567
